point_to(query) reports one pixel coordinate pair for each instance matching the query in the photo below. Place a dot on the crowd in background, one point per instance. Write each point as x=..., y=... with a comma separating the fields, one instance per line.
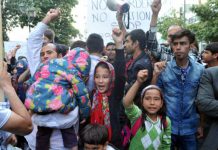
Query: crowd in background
x=132, y=93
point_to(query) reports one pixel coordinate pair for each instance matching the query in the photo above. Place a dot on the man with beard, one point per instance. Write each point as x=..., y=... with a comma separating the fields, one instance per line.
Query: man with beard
x=135, y=46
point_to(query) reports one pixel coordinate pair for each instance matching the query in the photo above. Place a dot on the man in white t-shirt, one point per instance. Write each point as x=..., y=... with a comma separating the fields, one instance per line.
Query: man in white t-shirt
x=39, y=52
x=17, y=120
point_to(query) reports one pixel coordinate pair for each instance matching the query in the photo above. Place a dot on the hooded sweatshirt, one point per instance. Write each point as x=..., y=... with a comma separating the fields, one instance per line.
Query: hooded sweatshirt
x=58, y=85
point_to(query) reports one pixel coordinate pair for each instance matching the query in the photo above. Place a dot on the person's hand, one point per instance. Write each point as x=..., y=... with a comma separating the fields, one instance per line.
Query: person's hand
x=14, y=51
x=142, y=76
x=119, y=17
x=9, y=56
x=31, y=113
x=18, y=46
x=12, y=140
x=156, y=6
x=159, y=67
x=117, y=36
x=5, y=78
x=51, y=15
x=200, y=132
x=83, y=121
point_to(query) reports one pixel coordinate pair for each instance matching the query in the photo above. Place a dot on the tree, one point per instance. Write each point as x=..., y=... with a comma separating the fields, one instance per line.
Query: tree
x=207, y=27
x=165, y=22
x=19, y=13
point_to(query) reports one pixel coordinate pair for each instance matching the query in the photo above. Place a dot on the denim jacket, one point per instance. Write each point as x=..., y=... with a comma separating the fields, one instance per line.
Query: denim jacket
x=180, y=96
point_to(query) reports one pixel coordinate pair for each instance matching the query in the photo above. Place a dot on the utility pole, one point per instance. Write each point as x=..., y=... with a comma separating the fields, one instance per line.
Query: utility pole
x=1, y=50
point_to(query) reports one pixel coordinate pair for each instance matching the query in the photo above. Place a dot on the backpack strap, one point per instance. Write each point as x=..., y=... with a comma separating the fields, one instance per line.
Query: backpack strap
x=165, y=123
x=136, y=126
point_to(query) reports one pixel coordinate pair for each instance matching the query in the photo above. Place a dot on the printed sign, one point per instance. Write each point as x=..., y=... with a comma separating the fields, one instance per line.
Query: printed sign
x=101, y=20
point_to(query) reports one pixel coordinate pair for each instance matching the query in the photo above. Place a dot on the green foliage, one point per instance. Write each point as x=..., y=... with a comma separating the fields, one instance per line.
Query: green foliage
x=207, y=27
x=18, y=13
x=165, y=22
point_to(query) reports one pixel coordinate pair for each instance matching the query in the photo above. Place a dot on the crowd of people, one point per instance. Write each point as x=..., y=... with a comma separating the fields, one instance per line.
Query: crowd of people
x=132, y=93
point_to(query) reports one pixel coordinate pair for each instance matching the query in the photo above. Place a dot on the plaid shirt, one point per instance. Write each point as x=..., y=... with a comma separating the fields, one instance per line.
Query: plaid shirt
x=153, y=137
x=152, y=44
x=161, y=52
x=165, y=52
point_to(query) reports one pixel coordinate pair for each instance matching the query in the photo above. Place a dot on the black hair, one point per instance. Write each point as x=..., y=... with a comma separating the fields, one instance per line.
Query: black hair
x=78, y=43
x=61, y=49
x=101, y=64
x=140, y=36
x=22, y=57
x=95, y=43
x=212, y=47
x=182, y=33
x=49, y=33
x=95, y=134
x=110, y=43
x=161, y=112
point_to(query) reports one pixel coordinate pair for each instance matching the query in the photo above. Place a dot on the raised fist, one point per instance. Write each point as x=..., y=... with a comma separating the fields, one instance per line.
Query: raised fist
x=51, y=15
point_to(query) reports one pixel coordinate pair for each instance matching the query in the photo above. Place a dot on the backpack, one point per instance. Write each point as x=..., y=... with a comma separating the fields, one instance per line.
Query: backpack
x=131, y=133
x=128, y=133
x=136, y=126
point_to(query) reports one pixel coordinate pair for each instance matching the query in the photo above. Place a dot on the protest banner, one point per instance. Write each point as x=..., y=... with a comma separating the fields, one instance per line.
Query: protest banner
x=101, y=20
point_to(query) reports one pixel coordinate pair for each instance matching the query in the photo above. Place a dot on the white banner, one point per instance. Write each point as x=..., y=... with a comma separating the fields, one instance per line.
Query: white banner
x=101, y=20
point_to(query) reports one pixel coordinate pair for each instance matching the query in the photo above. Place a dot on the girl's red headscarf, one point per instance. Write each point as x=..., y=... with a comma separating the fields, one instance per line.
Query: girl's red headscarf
x=100, y=112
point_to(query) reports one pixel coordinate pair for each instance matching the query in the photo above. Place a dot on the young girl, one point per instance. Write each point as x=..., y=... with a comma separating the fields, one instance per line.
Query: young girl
x=154, y=128
x=107, y=96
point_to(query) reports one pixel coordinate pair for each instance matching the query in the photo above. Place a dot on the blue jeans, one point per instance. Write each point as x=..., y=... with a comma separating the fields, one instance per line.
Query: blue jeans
x=185, y=142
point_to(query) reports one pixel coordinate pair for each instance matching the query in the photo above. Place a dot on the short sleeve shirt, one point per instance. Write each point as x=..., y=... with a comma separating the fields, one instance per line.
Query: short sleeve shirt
x=5, y=113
